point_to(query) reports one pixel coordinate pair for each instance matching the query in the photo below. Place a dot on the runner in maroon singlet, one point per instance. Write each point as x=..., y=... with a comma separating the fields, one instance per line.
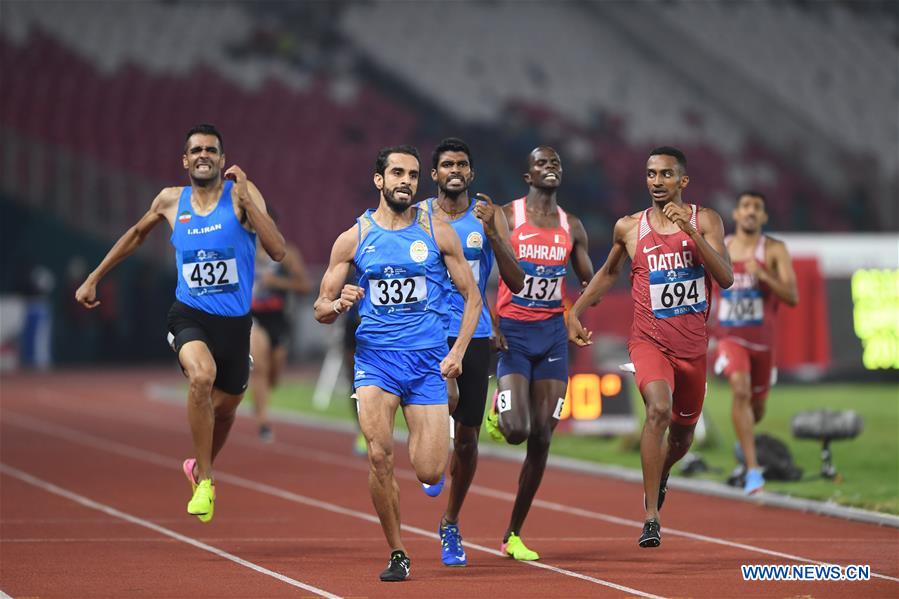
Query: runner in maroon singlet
x=763, y=277
x=675, y=249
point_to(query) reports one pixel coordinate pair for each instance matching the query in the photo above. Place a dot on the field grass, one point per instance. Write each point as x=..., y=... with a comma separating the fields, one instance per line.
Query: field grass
x=868, y=464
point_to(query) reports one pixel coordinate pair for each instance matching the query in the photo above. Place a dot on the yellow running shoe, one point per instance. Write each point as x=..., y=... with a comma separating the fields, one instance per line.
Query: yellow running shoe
x=516, y=549
x=202, y=504
x=491, y=423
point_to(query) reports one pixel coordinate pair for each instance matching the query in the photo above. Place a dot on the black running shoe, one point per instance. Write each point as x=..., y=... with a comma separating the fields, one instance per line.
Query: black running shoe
x=652, y=534
x=663, y=490
x=398, y=568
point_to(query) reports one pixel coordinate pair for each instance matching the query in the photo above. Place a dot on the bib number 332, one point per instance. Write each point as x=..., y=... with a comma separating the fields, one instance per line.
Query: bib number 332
x=210, y=271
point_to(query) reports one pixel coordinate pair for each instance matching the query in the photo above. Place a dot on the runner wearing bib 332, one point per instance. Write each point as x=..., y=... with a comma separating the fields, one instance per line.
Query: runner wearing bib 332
x=402, y=257
x=532, y=370
x=675, y=251
x=214, y=226
x=763, y=277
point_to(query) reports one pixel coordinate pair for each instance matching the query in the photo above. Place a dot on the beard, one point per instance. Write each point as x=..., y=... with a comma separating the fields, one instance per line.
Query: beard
x=204, y=179
x=398, y=206
x=454, y=193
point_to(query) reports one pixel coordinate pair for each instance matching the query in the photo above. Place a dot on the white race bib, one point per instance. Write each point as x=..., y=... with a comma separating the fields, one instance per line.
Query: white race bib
x=210, y=271
x=677, y=291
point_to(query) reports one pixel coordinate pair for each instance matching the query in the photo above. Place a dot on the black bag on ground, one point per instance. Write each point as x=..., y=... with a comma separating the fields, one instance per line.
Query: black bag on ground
x=775, y=459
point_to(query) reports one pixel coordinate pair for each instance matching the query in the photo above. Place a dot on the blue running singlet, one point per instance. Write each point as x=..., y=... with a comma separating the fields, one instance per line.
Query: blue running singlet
x=479, y=255
x=405, y=282
x=214, y=255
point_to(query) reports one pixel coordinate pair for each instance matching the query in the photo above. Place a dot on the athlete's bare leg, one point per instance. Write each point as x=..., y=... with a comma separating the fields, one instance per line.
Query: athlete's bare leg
x=680, y=438
x=743, y=416
x=199, y=365
x=657, y=398
x=515, y=423
x=546, y=394
x=224, y=406
x=263, y=367
x=377, y=411
x=279, y=359
x=463, y=465
x=428, y=440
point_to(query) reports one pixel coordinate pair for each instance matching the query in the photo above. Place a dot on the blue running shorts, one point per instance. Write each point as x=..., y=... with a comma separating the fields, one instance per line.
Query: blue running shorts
x=538, y=349
x=413, y=375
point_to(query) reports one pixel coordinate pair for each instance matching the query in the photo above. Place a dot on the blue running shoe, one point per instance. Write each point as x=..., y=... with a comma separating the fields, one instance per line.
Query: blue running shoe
x=755, y=482
x=451, y=549
x=435, y=489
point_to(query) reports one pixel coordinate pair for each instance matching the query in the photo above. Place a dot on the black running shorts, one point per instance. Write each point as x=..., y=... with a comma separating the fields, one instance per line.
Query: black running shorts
x=275, y=324
x=227, y=337
x=473, y=382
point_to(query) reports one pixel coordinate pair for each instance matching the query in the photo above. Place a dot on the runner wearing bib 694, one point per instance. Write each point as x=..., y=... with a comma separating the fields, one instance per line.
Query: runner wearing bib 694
x=675, y=251
x=214, y=223
x=532, y=369
x=763, y=277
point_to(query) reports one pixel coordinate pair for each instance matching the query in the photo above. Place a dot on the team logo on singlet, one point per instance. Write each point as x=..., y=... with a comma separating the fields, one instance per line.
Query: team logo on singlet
x=184, y=217
x=474, y=240
x=418, y=251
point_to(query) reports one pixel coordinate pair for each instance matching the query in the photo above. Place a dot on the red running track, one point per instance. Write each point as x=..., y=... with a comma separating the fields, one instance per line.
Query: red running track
x=92, y=504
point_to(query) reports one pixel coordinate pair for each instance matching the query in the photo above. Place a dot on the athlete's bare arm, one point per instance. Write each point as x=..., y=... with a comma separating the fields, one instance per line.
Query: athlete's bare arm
x=451, y=248
x=250, y=201
x=782, y=281
x=163, y=208
x=580, y=259
x=335, y=297
x=604, y=278
x=710, y=243
x=297, y=278
x=497, y=229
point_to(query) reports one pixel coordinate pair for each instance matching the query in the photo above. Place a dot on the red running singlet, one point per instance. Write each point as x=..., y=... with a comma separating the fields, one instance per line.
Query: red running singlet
x=670, y=287
x=543, y=255
x=747, y=311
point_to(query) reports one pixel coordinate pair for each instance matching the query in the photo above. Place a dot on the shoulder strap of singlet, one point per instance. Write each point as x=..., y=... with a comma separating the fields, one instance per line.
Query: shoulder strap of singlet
x=644, y=224
x=760, y=248
x=520, y=212
x=563, y=219
x=423, y=218
x=365, y=224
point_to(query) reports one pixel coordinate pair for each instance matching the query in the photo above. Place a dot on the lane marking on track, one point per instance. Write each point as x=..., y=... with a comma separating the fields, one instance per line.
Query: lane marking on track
x=100, y=507
x=316, y=454
x=337, y=459
x=170, y=463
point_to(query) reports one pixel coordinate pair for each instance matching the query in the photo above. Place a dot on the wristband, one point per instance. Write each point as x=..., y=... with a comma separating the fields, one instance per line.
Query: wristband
x=335, y=305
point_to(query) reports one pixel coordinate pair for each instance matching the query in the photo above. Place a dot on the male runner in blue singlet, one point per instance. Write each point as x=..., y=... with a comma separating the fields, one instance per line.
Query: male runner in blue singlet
x=214, y=226
x=401, y=256
x=484, y=234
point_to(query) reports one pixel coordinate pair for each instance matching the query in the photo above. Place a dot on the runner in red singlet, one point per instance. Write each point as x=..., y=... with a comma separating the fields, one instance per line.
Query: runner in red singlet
x=532, y=369
x=763, y=277
x=675, y=250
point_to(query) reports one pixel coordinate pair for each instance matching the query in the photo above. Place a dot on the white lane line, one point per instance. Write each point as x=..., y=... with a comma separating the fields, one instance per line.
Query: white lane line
x=315, y=454
x=170, y=463
x=100, y=507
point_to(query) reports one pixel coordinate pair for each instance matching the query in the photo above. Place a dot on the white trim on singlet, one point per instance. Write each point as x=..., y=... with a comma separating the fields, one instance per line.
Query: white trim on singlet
x=520, y=213
x=563, y=220
x=644, y=224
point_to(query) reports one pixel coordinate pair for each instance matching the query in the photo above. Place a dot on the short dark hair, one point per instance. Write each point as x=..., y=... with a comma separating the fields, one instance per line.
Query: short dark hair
x=205, y=129
x=384, y=154
x=450, y=144
x=755, y=194
x=673, y=152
